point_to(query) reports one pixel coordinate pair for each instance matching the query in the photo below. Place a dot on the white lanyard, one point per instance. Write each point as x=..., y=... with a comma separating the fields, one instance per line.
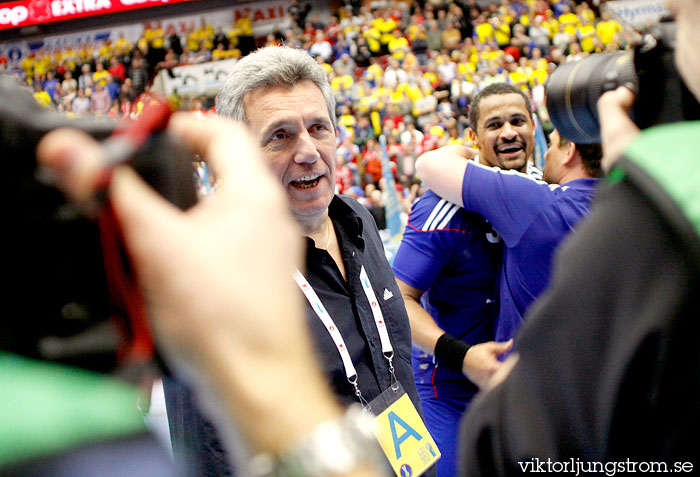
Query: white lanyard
x=377, y=313
x=320, y=310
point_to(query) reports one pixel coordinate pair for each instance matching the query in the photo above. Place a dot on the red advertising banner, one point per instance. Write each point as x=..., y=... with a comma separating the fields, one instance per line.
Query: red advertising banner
x=32, y=12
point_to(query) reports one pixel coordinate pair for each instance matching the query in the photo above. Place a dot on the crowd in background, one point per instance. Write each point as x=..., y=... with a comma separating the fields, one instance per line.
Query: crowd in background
x=403, y=69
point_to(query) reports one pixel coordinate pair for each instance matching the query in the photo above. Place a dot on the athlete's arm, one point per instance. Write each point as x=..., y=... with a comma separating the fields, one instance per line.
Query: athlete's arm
x=424, y=331
x=509, y=200
x=443, y=170
x=481, y=360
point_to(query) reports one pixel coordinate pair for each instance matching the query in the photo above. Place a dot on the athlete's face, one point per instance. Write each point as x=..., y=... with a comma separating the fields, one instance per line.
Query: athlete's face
x=298, y=139
x=505, y=131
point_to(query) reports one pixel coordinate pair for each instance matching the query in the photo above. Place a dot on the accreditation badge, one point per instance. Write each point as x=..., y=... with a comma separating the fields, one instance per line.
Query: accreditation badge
x=401, y=433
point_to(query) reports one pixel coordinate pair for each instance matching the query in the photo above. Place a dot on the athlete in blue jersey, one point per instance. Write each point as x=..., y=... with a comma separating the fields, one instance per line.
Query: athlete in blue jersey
x=454, y=256
x=532, y=217
x=447, y=267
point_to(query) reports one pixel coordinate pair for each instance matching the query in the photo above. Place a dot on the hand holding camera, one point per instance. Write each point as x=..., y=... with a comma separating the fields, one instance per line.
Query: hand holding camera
x=617, y=129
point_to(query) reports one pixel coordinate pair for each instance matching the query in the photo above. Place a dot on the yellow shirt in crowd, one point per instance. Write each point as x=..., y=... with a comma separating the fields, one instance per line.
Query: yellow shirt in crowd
x=484, y=32
x=607, y=30
x=570, y=22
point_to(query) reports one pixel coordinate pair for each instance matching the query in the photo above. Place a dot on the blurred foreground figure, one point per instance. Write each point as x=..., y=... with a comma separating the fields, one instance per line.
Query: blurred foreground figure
x=608, y=369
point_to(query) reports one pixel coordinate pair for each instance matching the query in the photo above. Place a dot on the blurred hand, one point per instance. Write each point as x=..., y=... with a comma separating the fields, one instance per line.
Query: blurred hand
x=617, y=129
x=481, y=361
x=217, y=278
x=503, y=372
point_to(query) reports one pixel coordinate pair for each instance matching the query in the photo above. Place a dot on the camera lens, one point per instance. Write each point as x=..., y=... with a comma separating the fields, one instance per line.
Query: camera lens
x=574, y=88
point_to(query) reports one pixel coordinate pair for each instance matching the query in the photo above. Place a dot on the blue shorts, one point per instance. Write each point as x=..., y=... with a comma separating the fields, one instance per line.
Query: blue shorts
x=442, y=418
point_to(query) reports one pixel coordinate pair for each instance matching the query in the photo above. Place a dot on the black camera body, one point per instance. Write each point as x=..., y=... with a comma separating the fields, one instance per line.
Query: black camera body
x=649, y=70
x=60, y=305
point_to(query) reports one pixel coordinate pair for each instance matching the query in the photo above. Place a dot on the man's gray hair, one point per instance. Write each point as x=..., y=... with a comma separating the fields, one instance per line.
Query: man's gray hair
x=269, y=67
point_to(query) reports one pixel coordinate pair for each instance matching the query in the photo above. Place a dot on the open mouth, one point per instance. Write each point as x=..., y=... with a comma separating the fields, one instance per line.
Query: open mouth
x=510, y=148
x=308, y=181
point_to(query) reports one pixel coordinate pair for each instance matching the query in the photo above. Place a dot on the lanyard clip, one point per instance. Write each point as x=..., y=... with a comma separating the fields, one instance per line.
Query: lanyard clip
x=353, y=380
x=394, y=382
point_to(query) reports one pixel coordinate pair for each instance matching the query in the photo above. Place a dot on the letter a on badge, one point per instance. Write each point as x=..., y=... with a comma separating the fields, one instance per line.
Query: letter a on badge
x=408, y=432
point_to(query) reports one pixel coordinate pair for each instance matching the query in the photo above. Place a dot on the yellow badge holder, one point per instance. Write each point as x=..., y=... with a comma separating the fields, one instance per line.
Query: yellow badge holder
x=401, y=433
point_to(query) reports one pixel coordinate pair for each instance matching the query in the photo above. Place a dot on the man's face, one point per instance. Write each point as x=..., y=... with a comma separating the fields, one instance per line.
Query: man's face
x=505, y=132
x=554, y=158
x=298, y=139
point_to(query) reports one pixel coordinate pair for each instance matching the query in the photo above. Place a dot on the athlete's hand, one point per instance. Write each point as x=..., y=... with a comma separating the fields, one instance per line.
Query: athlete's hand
x=481, y=361
x=617, y=129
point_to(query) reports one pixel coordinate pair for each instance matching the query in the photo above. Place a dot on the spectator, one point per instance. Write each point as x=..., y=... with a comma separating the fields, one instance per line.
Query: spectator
x=85, y=79
x=69, y=83
x=539, y=34
x=342, y=46
x=343, y=174
x=344, y=65
x=138, y=75
x=433, y=37
x=173, y=40
x=202, y=55
x=451, y=36
x=113, y=88
x=169, y=62
x=101, y=100
x=321, y=47
x=69, y=94
x=298, y=12
x=187, y=57
x=219, y=37
x=50, y=84
x=562, y=40
x=394, y=74
x=98, y=77
x=116, y=69
x=127, y=90
x=372, y=162
x=377, y=209
x=608, y=29
x=81, y=103
x=398, y=46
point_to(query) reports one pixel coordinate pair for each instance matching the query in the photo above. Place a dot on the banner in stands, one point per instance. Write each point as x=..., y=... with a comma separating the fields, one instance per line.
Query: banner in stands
x=265, y=15
x=638, y=13
x=193, y=80
x=22, y=13
x=33, y=12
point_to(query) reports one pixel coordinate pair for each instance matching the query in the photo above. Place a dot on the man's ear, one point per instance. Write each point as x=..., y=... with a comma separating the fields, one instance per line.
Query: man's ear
x=570, y=155
x=472, y=136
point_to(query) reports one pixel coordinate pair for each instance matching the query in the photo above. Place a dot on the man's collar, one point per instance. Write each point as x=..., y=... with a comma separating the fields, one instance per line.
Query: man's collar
x=350, y=223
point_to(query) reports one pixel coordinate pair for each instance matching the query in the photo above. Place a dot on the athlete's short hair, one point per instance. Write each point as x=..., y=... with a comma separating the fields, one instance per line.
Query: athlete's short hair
x=591, y=155
x=491, y=90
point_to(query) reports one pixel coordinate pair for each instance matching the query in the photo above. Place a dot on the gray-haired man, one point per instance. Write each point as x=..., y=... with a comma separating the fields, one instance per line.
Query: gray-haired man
x=356, y=314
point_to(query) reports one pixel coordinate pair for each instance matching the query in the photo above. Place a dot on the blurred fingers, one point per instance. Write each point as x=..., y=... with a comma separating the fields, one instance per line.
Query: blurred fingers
x=74, y=160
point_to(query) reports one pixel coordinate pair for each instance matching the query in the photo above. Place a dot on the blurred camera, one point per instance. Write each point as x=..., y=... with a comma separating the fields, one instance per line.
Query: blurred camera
x=61, y=304
x=649, y=70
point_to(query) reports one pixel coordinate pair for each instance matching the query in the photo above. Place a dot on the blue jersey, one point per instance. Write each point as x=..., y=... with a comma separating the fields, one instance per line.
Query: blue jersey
x=532, y=218
x=454, y=257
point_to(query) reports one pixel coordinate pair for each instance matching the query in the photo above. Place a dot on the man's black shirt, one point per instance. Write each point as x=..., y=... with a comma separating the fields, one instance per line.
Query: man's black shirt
x=347, y=304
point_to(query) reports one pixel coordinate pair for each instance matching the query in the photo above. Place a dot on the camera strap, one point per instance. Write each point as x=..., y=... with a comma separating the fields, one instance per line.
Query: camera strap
x=129, y=315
